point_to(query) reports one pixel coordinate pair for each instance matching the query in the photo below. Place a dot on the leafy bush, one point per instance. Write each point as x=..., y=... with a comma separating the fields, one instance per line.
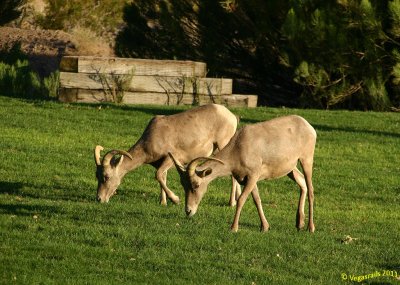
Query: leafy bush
x=102, y=17
x=332, y=54
x=50, y=85
x=351, y=42
x=204, y=30
x=10, y=10
x=17, y=79
x=10, y=54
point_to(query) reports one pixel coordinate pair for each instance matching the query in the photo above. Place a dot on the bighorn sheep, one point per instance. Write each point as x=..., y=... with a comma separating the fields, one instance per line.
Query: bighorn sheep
x=265, y=150
x=196, y=132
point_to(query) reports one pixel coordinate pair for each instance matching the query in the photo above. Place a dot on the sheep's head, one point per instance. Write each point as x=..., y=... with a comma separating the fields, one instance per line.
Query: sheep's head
x=194, y=182
x=108, y=172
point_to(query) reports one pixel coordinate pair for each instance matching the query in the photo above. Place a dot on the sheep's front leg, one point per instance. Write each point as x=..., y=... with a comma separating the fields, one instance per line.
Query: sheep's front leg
x=251, y=183
x=257, y=200
x=163, y=195
x=161, y=176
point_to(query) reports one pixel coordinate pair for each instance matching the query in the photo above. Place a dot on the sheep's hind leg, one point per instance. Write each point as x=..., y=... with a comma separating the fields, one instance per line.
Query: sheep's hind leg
x=161, y=176
x=298, y=177
x=307, y=165
x=235, y=192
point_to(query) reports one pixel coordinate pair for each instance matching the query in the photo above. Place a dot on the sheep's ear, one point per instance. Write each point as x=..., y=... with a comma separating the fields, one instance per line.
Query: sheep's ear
x=178, y=165
x=204, y=172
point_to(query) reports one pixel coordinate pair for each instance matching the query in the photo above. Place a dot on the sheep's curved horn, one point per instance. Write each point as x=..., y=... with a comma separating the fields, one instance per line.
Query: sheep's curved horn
x=191, y=168
x=97, y=151
x=107, y=158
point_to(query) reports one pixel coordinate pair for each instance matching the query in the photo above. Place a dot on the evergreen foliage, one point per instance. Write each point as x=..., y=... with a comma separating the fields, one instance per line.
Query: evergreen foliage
x=19, y=80
x=332, y=54
x=309, y=53
x=10, y=10
x=101, y=17
x=345, y=44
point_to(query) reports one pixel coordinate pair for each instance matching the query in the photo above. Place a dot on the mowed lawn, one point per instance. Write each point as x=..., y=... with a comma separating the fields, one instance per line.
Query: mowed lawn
x=53, y=232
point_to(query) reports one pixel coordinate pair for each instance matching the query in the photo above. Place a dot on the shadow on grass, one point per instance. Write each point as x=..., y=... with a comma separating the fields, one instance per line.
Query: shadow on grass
x=171, y=110
x=352, y=130
x=167, y=110
x=24, y=190
x=28, y=210
x=152, y=110
x=12, y=188
x=391, y=266
x=326, y=128
x=19, y=209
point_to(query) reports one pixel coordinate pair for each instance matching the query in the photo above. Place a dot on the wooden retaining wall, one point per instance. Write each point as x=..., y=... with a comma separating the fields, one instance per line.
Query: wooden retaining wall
x=142, y=81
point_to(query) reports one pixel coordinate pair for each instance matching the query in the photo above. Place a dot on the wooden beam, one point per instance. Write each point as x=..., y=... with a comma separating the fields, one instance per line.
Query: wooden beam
x=250, y=100
x=116, y=65
x=98, y=96
x=141, y=83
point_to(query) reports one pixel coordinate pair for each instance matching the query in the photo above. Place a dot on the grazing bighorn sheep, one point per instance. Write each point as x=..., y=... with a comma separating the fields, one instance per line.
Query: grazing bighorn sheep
x=196, y=132
x=265, y=150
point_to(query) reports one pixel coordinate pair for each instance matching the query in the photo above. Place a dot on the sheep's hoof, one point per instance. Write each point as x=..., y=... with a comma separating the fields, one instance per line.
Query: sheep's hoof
x=234, y=229
x=163, y=202
x=264, y=229
x=175, y=200
x=232, y=203
x=299, y=226
x=311, y=228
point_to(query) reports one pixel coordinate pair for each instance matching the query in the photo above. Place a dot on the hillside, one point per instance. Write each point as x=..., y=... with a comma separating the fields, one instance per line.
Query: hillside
x=46, y=47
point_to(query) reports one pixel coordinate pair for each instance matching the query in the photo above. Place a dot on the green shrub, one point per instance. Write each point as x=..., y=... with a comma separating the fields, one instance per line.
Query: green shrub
x=10, y=10
x=58, y=13
x=377, y=96
x=100, y=17
x=51, y=84
x=17, y=79
x=10, y=54
x=328, y=54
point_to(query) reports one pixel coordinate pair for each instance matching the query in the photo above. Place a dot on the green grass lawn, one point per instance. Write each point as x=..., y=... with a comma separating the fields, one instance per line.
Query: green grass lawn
x=53, y=232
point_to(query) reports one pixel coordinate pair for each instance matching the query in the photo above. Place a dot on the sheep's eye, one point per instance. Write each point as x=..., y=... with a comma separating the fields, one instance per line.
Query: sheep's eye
x=195, y=185
x=106, y=178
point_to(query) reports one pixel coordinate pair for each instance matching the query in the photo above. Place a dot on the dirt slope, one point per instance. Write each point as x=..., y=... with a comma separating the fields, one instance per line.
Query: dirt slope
x=46, y=47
